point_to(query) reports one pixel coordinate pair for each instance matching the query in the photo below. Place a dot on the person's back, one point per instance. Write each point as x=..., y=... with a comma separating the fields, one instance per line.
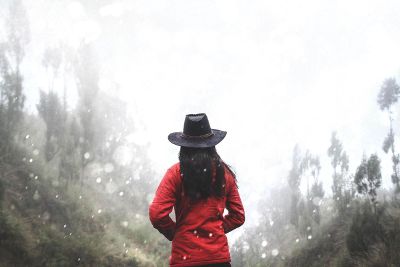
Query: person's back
x=199, y=187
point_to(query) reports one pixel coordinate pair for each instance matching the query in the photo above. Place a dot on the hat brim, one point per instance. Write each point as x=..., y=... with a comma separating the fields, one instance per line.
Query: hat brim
x=178, y=139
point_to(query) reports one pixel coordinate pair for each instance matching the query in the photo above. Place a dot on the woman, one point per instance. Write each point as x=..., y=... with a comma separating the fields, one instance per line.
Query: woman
x=199, y=187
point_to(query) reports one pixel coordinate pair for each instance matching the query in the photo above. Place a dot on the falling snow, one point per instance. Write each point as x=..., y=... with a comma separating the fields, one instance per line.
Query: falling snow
x=108, y=167
x=263, y=255
x=275, y=252
x=36, y=195
x=122, y=156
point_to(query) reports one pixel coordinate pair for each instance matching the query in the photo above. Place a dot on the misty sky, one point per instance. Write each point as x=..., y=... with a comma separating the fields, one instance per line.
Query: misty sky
x=271, y=73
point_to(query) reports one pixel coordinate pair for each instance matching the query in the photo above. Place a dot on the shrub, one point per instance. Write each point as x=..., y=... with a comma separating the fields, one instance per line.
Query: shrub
x=365, y=231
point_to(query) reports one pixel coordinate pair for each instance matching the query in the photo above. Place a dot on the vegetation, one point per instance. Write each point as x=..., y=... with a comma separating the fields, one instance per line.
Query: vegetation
x=359, y=226
x=75, y=183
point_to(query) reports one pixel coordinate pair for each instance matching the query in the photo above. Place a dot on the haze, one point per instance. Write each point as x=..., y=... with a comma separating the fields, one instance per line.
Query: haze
x=271, y=73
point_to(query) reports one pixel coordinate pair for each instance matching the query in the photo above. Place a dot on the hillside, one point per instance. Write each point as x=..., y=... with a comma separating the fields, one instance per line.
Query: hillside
x=363, y=239
x=43, y=223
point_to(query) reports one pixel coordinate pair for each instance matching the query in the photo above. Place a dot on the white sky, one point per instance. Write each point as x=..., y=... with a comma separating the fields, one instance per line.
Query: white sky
x=271, y=73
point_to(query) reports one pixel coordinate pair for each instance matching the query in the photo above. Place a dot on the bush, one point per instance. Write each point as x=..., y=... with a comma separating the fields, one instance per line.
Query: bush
x=365, y=231
x=15, y=248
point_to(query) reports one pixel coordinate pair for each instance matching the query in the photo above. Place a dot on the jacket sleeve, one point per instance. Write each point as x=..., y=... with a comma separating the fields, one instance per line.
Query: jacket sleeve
x=235, y=216
x=161, y=207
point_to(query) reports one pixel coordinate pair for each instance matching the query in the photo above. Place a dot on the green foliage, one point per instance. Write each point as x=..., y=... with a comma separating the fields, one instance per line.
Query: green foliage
x=364, y=231
x=363, y=239
x=337, y=154
x=51, y=111
x=63, y=234
x=342, y=188
x=15, y=248
x=317, y=193
x=368, y=177
x=12, y=99
x=87, y=78
x=388, y=96
x=47, y=219
x=303, y=212
x=294, y=180
x=388, y=143
x=295, y=172
x=375, y=240
x=311, y=167
x=273, y=232
x=389, y=93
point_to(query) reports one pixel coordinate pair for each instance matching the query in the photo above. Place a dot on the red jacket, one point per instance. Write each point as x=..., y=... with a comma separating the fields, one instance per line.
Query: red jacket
x=198, y=236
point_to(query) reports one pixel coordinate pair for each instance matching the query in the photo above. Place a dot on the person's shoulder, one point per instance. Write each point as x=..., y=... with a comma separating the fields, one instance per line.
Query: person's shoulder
x=175, y=167
x=174, y=170
x=172, y=175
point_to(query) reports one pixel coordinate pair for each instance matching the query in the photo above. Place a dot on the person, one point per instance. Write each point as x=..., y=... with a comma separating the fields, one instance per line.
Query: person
x=199, y=187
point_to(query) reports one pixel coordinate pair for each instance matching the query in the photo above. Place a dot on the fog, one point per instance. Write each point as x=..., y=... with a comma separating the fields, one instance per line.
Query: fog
x=272, y=74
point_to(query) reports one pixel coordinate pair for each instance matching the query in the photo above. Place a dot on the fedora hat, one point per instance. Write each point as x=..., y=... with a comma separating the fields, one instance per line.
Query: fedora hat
x=197, y=133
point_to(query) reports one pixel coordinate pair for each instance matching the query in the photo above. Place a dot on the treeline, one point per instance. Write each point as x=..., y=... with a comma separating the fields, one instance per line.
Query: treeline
x=74, y=181
x=359, y=225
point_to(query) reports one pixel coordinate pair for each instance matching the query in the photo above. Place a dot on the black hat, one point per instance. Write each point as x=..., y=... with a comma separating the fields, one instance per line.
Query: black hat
x=197, y=133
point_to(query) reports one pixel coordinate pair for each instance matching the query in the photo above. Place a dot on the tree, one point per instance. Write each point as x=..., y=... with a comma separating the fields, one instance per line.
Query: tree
x=368, y=178
x=59, y=127
x=342, y=192
x=294, y=179
x=387, y=97
x=310, y=168
x=12, y=53
x=317, y=191
x=51, y=111
x=70, y=160
x=58, y=61
x=87, y=77
x=389, y=94
x=52, y=60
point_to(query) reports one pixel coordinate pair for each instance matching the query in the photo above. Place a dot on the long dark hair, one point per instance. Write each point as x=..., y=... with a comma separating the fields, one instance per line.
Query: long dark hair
x=197, y=168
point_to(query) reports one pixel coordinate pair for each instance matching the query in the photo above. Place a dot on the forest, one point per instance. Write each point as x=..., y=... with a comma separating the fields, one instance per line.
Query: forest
x=75, y=181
